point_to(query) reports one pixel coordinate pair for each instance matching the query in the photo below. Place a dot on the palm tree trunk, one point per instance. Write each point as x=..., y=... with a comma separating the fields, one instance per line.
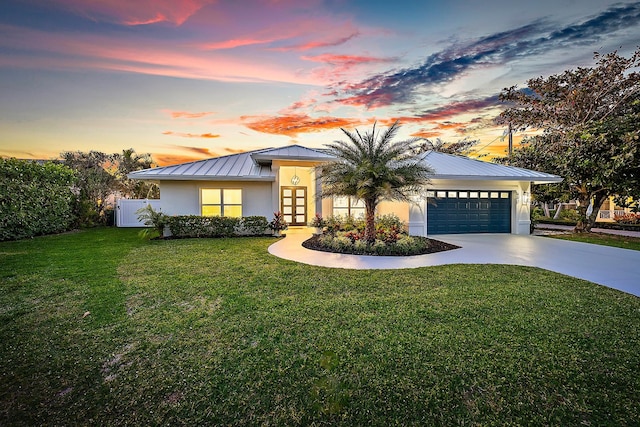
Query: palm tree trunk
x=370, y=225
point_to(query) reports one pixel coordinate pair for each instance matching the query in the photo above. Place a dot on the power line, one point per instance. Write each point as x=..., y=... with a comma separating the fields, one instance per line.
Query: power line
x=488, y=144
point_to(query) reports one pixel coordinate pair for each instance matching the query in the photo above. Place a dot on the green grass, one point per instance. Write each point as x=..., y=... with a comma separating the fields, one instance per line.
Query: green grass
x=219, y=332
x=602, y=239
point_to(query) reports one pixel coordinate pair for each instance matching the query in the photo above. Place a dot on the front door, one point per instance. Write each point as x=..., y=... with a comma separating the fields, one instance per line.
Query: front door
x=294, y=205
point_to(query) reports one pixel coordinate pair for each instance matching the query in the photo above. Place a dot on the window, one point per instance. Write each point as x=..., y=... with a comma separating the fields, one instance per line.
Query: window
x=222, y=202
x=348, y=206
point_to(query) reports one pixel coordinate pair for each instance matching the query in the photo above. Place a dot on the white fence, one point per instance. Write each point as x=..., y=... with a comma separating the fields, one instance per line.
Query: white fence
x=126, y=211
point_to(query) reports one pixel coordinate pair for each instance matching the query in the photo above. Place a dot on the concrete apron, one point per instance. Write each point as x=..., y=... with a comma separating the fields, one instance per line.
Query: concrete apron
x=612, y=267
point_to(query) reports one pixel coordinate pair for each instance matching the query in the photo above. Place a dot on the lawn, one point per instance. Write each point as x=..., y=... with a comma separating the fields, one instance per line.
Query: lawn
x=602, y=239
x=102, y=328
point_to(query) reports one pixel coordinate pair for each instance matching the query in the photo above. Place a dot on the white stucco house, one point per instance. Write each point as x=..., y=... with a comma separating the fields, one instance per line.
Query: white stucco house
x=464, y=196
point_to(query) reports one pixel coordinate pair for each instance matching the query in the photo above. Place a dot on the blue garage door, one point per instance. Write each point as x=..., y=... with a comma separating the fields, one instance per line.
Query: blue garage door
x=456, y=212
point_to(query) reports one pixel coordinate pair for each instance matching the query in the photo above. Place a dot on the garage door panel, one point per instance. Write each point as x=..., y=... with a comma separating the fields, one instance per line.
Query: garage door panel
x=469, y=212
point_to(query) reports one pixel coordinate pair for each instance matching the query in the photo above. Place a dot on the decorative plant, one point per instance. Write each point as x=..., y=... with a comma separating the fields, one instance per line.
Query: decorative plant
x=317, y=221
x=154, y=219
x=278, y=223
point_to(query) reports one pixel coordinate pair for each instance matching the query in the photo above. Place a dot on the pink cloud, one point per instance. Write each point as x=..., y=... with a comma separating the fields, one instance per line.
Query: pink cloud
x=68, y=51
x=190, y=135
x=135, y=12
x=330, y=42
x=187, y=114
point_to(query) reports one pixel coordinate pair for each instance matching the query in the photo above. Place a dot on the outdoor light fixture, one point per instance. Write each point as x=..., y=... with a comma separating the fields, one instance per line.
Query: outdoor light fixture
x=295, y=179
x=526, y=198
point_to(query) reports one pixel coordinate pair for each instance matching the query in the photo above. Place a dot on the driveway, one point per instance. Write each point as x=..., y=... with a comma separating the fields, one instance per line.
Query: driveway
x=612, y=267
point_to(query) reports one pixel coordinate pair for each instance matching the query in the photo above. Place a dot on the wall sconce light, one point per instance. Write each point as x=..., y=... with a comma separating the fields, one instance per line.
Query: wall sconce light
x=526, y=198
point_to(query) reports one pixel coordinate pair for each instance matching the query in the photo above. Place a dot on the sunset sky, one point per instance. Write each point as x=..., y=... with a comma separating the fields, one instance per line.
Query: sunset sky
x=190, y=79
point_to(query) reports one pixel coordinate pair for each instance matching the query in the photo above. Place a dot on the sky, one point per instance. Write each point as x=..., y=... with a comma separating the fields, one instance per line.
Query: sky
x=191, y=79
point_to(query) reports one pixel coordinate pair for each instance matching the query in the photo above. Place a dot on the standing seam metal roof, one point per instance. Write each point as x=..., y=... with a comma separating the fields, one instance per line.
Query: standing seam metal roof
x=255, y=166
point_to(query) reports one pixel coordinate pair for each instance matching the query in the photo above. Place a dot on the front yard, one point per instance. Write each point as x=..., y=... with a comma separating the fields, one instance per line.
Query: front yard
x=102, y=328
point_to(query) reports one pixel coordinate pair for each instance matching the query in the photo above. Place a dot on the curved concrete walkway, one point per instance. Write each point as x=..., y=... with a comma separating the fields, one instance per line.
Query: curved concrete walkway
x=612, y=267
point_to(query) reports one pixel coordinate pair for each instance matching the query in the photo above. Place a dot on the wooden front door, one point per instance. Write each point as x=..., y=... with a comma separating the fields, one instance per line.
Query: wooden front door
x=294, y=205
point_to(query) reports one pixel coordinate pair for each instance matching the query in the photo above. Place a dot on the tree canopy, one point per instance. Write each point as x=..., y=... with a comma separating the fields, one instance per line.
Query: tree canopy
x=103, y=176
x=372, y=167
x=589, y=119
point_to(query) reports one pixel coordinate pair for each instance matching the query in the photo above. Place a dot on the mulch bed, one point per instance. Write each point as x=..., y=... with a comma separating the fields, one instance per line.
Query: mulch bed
x=434, y=246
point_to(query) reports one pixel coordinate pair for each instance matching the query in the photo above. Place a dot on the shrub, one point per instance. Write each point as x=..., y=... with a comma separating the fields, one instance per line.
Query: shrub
x=202, y=226
x=334, y=224
x=35, y=199
x=252, y=225
x=630, y=218
x=570, y=215
x=340, y=243
x=156, y=220
x=317, y=221
x=278, y=223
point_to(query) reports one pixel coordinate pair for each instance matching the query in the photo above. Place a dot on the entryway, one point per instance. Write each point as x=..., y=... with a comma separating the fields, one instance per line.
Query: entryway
x=294, y=205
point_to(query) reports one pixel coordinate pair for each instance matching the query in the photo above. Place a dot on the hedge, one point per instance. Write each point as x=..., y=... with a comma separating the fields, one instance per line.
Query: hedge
x=215, y=226
x=35, y=199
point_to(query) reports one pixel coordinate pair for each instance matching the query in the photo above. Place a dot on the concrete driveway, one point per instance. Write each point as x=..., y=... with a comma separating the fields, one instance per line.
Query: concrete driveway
x=607, y=266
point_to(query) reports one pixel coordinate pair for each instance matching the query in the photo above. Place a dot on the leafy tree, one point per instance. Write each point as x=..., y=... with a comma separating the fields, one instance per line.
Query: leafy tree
x=462, y=146
x=95, y=184
x=101, y=177
x=590, y=123
x=130, y=161
x=371, y=167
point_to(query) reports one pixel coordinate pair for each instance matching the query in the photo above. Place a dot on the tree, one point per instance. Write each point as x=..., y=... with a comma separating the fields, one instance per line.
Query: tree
x=127, y=162
x=371, y=167
x=94, y=185
x=590, y=123
x=462, y=146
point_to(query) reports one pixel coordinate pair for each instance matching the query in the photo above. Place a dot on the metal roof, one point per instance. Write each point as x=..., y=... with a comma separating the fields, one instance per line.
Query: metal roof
x=291, y=152
x=248, y=166
x=448, y=166
x=256, y=166
x=234, y=167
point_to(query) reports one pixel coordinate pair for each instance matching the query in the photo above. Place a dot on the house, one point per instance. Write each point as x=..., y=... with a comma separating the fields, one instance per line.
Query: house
x=465, y=195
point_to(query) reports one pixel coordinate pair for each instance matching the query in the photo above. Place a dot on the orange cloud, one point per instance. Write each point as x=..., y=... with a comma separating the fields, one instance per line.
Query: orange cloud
x=163, y=159
x=318, y=44
x=138, y=12
x=188, y=115
x=426, y=134
x=191, y=135
x=292, y=125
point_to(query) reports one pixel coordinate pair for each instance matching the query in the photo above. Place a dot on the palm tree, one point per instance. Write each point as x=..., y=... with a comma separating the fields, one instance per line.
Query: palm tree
x=371, y=167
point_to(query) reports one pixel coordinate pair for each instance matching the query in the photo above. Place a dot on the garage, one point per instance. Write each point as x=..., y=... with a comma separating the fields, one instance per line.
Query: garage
x=472, y=211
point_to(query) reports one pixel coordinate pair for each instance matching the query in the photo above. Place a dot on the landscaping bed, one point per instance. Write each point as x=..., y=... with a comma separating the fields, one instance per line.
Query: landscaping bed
x=421, y=246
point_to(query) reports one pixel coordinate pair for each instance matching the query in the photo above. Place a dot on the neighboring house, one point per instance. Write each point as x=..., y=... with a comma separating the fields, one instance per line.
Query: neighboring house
x=465, y=195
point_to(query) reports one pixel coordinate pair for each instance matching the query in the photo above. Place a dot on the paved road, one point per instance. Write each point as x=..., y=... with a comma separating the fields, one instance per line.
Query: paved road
x=613, y=267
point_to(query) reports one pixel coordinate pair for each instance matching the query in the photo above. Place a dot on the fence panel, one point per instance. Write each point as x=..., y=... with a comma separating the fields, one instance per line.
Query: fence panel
x=126, y=211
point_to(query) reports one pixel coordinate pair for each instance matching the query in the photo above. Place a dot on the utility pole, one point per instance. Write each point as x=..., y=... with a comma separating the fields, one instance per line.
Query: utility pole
x=510, y=140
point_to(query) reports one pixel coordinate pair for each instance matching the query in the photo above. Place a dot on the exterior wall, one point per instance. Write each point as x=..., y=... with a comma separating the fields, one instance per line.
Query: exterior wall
x=263, y=198
x=183, y=197
x=520, y=218
x=400, y=209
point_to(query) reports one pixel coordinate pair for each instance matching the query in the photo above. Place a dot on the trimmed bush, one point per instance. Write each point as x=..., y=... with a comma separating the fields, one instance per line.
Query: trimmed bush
x=35, y=199
x=252, y=225
x=214, y=226
x=202, y=226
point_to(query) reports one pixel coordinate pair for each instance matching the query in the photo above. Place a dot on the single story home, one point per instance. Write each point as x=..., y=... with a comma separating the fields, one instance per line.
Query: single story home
x=464, y=196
